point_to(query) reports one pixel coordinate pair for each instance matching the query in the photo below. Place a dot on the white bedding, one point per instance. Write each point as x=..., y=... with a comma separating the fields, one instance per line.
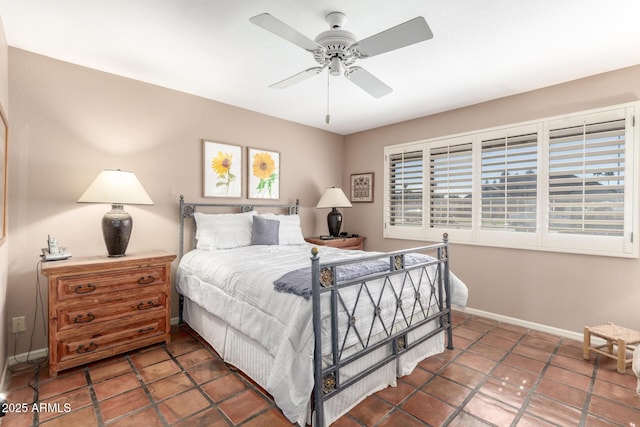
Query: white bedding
x=237, y=285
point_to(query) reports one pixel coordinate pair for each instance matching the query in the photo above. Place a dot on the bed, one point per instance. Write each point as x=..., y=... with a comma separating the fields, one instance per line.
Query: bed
x=318, y=328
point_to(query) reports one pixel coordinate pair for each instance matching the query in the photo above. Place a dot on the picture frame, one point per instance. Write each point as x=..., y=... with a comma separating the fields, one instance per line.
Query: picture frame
x=263, y=173
x=221, y=169
x=4, y=148
x=362, y=187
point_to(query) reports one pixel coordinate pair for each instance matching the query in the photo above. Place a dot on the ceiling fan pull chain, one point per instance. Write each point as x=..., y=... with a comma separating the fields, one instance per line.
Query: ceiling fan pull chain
x=328, y=117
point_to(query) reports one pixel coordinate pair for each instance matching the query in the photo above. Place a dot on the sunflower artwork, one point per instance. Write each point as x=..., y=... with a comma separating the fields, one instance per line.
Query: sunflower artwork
x=264, y=179
x=222, y=170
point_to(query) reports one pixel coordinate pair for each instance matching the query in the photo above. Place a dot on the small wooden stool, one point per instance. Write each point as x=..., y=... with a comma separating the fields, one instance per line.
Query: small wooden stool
x=623, y=338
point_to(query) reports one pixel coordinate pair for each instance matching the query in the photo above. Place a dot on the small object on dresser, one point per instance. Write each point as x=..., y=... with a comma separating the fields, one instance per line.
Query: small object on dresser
x=326, y=237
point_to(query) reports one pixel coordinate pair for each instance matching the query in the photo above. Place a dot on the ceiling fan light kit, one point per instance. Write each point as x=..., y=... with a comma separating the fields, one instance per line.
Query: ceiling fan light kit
x=337, y=49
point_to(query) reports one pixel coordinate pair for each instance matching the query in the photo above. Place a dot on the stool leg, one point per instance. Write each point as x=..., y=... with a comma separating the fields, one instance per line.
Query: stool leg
x=622, y=356
x=586, y=344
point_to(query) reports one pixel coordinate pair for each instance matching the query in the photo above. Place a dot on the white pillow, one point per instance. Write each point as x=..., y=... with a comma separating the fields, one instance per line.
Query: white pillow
x=290, y=232
x=223, y=231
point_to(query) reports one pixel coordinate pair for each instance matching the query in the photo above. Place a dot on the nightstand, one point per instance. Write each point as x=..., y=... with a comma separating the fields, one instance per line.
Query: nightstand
x=101, y=306
x=356, y=243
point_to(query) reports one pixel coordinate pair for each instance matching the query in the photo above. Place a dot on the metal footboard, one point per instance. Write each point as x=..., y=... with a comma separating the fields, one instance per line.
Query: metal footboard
x=406, y=286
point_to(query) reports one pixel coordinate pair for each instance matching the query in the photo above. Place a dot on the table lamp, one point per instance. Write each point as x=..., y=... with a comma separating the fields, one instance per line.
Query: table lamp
x=118, y=188
x=334, y=198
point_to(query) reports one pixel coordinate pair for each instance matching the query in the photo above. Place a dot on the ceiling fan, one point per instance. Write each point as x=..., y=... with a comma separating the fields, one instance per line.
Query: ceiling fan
x=338, y=49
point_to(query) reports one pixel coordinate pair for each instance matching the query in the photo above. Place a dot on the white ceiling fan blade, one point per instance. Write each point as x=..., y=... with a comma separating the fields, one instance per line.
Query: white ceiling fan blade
x=296, y=78
x=367, y=82
x=281, y=29
x=408, y=33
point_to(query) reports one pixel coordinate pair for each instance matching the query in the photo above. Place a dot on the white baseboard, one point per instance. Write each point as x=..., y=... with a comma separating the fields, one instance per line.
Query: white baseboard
x=578, y=336
x=22, y=358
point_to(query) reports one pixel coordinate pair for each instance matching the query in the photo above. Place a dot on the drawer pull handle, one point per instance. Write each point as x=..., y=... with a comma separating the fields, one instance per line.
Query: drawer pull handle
x=85, y=289
x=143, y=330
x=146, y=280
x=90, y=317
x=146, y=305
x=91, y=347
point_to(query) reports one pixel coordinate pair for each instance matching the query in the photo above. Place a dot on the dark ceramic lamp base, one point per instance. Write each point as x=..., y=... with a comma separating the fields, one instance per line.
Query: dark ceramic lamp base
x=116, y=229
x=334, y=221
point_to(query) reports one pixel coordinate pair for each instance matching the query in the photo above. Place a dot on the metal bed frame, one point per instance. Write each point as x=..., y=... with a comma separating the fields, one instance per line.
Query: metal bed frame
x=433, y=281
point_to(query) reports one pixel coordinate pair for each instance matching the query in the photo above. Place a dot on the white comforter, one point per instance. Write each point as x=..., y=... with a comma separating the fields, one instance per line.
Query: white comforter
x=237, y=286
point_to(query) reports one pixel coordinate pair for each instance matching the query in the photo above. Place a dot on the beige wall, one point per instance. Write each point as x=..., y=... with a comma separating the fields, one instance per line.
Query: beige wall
x=70, y=122
x=559, y=290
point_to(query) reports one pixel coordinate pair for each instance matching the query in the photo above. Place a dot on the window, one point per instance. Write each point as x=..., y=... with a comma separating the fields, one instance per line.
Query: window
x=562, y=184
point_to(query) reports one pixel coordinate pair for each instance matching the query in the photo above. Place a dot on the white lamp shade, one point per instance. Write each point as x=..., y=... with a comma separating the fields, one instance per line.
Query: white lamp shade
x=116, y=187
x=333, y=198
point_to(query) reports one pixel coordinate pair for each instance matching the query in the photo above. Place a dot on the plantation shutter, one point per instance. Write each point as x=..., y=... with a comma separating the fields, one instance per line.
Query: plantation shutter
x=586, y=178
x=509, y=177
x=405, y=192
x=450, y=186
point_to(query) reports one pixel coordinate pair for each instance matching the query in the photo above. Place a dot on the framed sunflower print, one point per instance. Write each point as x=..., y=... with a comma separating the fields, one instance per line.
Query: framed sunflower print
x=222, y=169
x=264, y=174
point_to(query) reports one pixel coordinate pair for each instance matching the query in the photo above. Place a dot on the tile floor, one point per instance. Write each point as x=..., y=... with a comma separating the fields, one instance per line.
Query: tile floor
x=498, y=375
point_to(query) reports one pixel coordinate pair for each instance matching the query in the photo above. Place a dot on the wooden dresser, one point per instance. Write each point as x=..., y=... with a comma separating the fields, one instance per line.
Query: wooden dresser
x=339, y=242
x=100, y=306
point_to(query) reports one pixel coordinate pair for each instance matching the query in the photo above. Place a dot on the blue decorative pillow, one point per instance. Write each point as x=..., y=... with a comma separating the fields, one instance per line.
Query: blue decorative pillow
x=265, y=231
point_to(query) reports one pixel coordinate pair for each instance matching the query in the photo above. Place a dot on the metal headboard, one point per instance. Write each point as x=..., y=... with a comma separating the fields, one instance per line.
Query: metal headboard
x=187, y=210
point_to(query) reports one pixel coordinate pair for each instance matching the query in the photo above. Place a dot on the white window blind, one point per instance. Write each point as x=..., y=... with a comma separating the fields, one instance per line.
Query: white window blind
x=405, y=171
x=450, y=186
x=586, y=178
x=509, y=177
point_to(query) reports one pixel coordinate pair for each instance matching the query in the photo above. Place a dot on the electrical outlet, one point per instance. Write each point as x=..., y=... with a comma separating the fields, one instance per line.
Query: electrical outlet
x=19, y=325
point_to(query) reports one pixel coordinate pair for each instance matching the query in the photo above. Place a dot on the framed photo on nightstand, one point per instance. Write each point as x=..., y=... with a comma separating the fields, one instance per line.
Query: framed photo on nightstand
x=362, y=187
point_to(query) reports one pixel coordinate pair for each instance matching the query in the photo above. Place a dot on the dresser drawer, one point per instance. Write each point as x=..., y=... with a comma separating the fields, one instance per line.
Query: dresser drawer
x=90, y=285
x=77, y=316
x=108, y=339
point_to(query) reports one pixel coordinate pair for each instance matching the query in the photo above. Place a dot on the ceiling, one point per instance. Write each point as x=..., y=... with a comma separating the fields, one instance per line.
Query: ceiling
x=481, y=50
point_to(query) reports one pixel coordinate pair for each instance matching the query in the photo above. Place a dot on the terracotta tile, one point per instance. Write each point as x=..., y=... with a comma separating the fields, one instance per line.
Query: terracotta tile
x=115, y=386
x=62, y=384
x=462, y=375
x=158, y=371
x=147, y=418
x=19, y=379
x=528, y=420
x=570, y=348
x=593, y=421
x=427, y=408
x=21, y=395
x=562, y=392
x=488, y=351
x=169, y=386
x=243, y=405
x=191, y=359
x=476, y=362
x=208, y=370
x=581, y=366
x=554, y=339
x=146, y=358
x=490, y=410
x=496, y=341
x=434, y=363
x=514, y=376
x=183, y=405
x=505, y=392
x=397, y=394
x=511, y=336
x=614, y=411
x=610, y=374
x=463, y=331
x=100, y=372
x=418, y=377
x=399, y=418
x=446, y=390
x=211, y=417
x=85, y=417
x=462, y=343
x=224, y=387
x=270, y=418
x=123, y=404
x=567, y=377
x=18, y=419
x=66, y=402
x=346, y=421
x=553, y=411
x=520, y=330
x=532, y=352
x=370, y=410
x=477, y=326
x=181, y=347
x=538, y=343
x=524, y=363
x=463, y=419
